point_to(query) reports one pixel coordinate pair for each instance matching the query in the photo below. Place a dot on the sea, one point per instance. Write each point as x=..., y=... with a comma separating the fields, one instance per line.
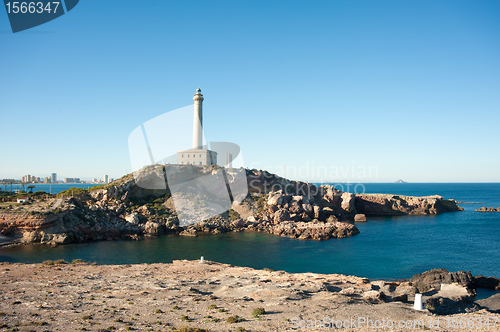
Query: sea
x=387, y=248
x=52, y=188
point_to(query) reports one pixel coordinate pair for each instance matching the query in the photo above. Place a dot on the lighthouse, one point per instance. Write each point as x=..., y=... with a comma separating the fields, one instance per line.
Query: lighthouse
x=197, y=155
x=198, y=120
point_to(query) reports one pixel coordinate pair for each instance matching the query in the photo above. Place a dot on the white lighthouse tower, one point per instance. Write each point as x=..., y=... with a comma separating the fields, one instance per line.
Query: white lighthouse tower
x=198, y=120
x=197, y=155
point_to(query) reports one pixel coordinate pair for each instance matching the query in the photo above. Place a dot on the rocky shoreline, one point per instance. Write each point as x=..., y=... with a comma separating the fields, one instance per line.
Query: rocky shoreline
x=125, y=210
x=191, y=296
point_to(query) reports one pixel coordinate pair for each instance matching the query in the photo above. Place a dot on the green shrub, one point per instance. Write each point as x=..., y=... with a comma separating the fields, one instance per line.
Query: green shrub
x=72, y=191
x=191, y=329
x=212, y=306
x=234, y=319
x=233, y=215
x=258, y=312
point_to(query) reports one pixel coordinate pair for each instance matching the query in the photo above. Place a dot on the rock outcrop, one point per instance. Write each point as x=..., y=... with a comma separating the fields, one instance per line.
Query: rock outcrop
x=384, y=204
x=490, y=209
x=141, y=204
x=434, y=278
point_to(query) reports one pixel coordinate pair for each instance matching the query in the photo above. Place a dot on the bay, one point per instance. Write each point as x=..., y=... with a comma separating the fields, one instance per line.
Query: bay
x=387, y=247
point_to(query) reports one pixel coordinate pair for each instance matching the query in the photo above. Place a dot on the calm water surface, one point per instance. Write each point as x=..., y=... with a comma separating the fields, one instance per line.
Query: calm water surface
x=387, y=248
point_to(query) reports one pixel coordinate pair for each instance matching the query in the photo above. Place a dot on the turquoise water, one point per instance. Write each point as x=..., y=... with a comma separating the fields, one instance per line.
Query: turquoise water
x=386, y=248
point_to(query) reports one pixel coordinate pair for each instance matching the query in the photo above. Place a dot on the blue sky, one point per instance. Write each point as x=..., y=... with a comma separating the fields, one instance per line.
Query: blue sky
x=367, y=91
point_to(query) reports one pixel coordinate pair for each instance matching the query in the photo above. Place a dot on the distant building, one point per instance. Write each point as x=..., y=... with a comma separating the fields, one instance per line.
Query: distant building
x=71, y=180
x=30, y=179
x=197, y=155
x=48, y=179
x=105, y=178
x=53, y=178
x=22, y=199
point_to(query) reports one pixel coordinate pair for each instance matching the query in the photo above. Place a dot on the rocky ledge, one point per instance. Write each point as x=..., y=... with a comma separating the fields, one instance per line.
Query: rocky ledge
x=190, y=296
x=490, y=209
x=125, y=209
x=384, y=204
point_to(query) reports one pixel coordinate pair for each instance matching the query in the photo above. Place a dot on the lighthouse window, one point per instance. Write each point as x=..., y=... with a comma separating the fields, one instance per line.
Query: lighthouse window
x=200, y=157
x=201, y=163
x=188, y=156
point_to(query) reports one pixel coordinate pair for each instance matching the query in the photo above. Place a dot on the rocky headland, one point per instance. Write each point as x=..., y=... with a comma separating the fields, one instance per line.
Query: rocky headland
x=191, y=296
x=125, y=209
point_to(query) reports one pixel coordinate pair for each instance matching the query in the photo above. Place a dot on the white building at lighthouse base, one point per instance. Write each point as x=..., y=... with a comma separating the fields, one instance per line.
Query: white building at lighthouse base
x=196, y=157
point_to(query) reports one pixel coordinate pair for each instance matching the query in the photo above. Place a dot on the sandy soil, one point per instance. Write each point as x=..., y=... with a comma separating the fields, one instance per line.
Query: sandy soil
x=169, y=297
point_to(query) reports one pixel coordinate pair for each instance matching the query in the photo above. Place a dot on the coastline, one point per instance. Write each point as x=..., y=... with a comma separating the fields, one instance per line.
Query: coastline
x=125, y=208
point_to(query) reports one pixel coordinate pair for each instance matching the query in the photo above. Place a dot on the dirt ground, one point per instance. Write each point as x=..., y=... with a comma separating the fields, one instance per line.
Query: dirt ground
x=209, y=296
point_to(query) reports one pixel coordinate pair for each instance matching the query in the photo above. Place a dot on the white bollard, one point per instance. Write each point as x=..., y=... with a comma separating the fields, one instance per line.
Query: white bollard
x=417, y=305
x=202, y=260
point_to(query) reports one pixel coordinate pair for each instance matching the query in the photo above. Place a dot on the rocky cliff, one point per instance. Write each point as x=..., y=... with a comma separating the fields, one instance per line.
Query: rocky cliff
x=143, y=205
x=384, y=204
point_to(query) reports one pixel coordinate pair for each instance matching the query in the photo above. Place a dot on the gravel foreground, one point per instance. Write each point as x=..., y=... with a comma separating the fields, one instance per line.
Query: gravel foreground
x=191, y=296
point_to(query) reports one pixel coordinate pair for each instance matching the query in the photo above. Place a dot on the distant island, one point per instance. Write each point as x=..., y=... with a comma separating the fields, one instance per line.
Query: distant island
x=400, y=181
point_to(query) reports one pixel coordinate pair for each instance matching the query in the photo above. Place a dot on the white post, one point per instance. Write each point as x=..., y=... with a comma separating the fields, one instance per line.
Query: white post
x=417, y=305
x=202, y=260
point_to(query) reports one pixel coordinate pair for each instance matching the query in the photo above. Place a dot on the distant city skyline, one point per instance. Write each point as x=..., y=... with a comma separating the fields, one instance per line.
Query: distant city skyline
x=406, y=89
x=29, y=178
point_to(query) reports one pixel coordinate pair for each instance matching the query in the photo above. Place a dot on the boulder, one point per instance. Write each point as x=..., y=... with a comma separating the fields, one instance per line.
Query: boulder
x=275, y=198
x=281, y=215
x=405, y=288
x=189, y=232
x=347, y=202
x=132, y=218
x=251, y=219
x=316, y=210
x=373, y=296
x=444, y=305
x=238, y=223
x=360, y=217
x=331, y=218
x=308, y=209
x=295, y=207
x=153, y=228
x=434, y=278
x=486, y=282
